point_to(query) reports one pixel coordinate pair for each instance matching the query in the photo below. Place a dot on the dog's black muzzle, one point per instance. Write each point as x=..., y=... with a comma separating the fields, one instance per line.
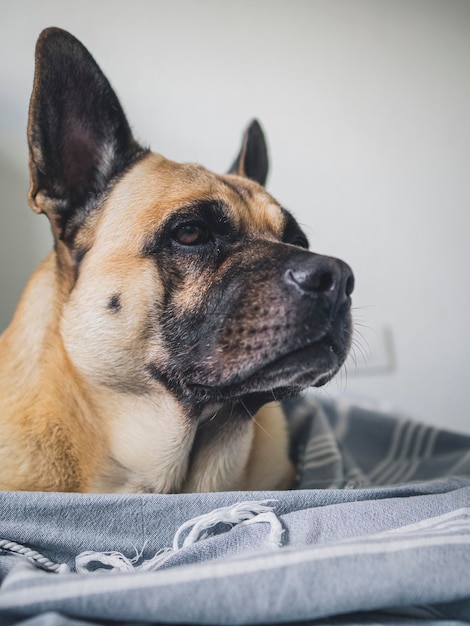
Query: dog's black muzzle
x=283, y=323
x=274, y=321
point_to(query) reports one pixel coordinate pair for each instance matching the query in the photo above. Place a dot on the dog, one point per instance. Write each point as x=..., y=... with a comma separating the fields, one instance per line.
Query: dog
x=177, y=304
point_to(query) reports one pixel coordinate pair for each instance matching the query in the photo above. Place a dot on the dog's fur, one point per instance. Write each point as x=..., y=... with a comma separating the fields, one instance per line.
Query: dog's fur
x=175, y=305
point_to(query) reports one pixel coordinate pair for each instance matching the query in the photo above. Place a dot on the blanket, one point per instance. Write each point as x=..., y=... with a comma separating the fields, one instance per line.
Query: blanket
x=377, y=531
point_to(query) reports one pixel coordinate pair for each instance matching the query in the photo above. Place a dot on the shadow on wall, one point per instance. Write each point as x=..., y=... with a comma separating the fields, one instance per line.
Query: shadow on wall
x=20, y=237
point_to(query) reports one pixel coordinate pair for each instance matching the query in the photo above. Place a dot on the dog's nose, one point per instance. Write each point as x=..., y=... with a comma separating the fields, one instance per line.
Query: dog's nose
x=316, y=275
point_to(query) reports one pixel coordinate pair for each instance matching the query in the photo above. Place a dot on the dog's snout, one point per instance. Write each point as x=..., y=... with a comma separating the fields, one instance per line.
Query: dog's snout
x=321, y=276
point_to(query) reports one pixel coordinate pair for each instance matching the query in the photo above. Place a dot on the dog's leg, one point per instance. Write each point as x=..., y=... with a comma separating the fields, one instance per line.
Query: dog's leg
x=232, y=452
x=269, y=466
x=221, y=451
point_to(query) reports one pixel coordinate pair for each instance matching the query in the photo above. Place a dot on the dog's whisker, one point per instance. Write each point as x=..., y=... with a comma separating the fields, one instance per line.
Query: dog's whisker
x=207, y=422
x=353, y=356
x=364, y=353
x=255, y=421
x=358, y=332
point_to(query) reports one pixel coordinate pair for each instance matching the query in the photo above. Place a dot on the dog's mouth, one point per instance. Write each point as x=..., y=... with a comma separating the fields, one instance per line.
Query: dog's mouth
x=309, y=365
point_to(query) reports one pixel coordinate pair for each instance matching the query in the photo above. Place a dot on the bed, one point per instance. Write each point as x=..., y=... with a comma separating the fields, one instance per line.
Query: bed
x=376, y=531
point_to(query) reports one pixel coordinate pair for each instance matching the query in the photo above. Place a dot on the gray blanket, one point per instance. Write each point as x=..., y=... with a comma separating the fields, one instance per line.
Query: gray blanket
x=377, y=532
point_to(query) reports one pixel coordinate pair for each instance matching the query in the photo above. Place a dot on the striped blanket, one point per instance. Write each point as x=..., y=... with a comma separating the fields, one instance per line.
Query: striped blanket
x=377, y=532
x=341, y=444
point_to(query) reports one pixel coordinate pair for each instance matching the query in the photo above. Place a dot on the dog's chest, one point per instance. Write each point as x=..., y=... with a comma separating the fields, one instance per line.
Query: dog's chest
x=153, y=447
x=149, y=442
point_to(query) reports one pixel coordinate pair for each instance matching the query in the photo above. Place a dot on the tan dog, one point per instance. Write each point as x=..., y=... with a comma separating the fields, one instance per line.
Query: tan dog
x=175, y=304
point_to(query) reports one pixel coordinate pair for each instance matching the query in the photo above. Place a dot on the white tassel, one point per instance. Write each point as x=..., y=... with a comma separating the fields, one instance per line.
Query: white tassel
x=240, y=514
x=117, y=562
x=237, y=514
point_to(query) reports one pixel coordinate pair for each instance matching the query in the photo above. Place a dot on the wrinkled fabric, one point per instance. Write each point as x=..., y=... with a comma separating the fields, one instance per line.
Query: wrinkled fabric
x=343, y=444
x=353, y=552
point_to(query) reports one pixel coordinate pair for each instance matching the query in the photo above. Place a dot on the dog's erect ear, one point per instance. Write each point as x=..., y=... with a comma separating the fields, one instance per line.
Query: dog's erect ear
x=79, y=138
x=252, y=161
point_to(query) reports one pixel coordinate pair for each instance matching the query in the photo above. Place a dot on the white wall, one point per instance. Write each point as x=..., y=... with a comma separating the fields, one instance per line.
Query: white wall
x=367, y=109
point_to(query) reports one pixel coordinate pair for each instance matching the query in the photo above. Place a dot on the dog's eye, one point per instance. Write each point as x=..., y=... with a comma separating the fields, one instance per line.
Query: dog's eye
x=191, y=234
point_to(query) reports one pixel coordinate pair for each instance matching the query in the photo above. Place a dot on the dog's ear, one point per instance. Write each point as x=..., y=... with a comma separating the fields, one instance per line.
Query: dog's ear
x=79, y=138
x=252, y=160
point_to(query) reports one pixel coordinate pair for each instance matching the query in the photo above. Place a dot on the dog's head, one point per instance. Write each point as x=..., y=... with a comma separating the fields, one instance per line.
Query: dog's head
x=172, y=276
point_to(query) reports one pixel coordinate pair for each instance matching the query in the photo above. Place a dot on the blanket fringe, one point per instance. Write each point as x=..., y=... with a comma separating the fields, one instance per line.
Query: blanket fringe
x=236, y=515
x=36, y=557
